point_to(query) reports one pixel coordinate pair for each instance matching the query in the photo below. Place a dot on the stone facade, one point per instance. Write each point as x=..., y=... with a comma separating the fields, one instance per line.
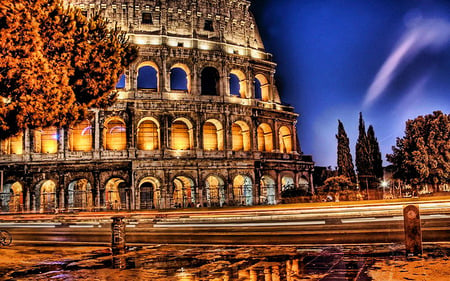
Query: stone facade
x=199, y=122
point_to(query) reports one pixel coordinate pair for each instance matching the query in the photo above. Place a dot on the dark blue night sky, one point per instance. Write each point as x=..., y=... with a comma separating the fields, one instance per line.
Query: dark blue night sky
x=389, y=59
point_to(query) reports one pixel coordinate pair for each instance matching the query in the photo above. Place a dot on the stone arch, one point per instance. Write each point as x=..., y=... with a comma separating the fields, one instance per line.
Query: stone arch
x=150, y=193
x=210, y=80
x=265, y=137
x=215, y=191
x=262, y=87
x=182, y=134
x=303, y=184
x=183, y=193
x=268, y=190
x=12, y=145
x=45, y=196
x=46, y=140
x=240, y=136
x=117, y=195
x=147, y=77
x=238, y=83
x=212, y=135
x=80, y=136
x=11, y=198
x=114, y=134
x=287, y=182
x=148, y=134
x=79, y=195
x=243, y=190
x=285, y=139
x=180, y=78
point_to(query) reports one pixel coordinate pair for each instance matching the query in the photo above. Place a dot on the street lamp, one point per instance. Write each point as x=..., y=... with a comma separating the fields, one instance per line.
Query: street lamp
x=384, y=184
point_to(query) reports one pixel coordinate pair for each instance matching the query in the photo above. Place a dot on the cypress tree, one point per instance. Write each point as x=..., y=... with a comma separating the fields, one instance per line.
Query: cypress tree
x=363, y=157
x=377, y=162
x=344, y=157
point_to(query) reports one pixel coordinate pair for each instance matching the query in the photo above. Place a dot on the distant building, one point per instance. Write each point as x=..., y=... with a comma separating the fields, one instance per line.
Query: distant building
x=199, y=122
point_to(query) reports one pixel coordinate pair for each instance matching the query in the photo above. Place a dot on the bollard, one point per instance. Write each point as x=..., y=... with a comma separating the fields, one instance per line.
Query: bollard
x=413, y=232
x=118, y=235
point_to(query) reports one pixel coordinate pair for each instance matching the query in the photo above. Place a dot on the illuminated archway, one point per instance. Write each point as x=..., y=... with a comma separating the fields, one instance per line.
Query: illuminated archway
x=182, y=137
x=46, y=140
x=12, y=197
x=215, y=191
x=180, y=78
x=79, y=195
x=80, y=136
x=243, y=190
x=48, y=196
x=285, y=139
x=287, y=183
x=147, y=77
x=149, y=193
x=117, y=194
x=262, y=87
x=265, y=137
x=212, y=135
x=303, y=184
x=148, y=134
x=240, y=133
x=12, y=145
x=183, y=194
x=114, y=134
x=268, y=190
x=210, y=81
x=238, y=83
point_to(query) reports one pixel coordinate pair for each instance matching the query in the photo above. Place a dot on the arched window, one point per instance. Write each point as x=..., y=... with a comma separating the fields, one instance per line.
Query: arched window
x=285, y=137
x=182, y=136
x=48, y=196
x=240, y=134
x=117, y=195
x=183, y=194
x=178, y=79
x=212, y=135
x=12, y=145
x=148, y=135
x=147, y=77
x=265, y=138
x=121, y=83
x=80, y=195
x=238, y=85
x=46, y=140
x=242, y=190
x=267, y=190
x=80, y=136
x=261, y=87
x=287, y=183
x=149, y=193
x=215, y=192
x=210, y=81
x=114, y=134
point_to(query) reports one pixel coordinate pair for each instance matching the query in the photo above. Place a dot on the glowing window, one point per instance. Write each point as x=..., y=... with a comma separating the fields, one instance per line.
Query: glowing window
x=12, y=145
x=80, y=137
x=240, y=136
x=46, y=140
x=265, y=138
x=285, y=138
x=148, y=135
x=114, y=134
x=181, y=136
x=261, y=87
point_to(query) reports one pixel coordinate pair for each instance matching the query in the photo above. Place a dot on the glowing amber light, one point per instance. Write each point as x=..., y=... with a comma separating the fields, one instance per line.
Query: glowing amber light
x=242, y=82
x=183, y=192
x=114, y=134
x=80, y=137
x=148, y=135
x=285, y=137
x=264, y=87
x=181, y=136
x=16, y=200
x=112, y=194
x=212, y=135
x=265, y=138
x=240, y=136
x=12, y=145
x=48, y=195
x=46, y=140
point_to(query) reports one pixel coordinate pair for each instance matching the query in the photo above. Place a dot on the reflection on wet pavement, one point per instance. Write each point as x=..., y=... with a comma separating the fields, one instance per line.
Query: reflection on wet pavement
x=164, y=262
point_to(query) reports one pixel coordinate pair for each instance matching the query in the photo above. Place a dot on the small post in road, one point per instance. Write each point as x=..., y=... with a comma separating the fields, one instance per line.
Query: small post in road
x=118, y=235
x=413, y=232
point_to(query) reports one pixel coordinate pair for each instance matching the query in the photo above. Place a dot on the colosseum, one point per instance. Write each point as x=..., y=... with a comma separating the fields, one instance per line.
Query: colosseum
x=198, y=122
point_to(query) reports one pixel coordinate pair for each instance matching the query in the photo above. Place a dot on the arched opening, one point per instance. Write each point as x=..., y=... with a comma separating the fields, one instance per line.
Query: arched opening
x=121, y=83
x=183, y=194
x=47, y=196
x=215, y=191
x=12, y=145
x=114, y=134
x=261, y=87
x=243, y=190
x=287, y=183
x=210, y=81
x=80, y=136
x=182, y=134
x=147, y=77
x=212, y=135
x=240, y=136
x=180, y=78
x=148, y=135
x=303, y=184
x=79, y=195
x=149, y=193
x=268, y=189
x=265, y=137
x=285, y=137
x=117, y=195
x=46, y=140
x=238, y=85
x=11, y=199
